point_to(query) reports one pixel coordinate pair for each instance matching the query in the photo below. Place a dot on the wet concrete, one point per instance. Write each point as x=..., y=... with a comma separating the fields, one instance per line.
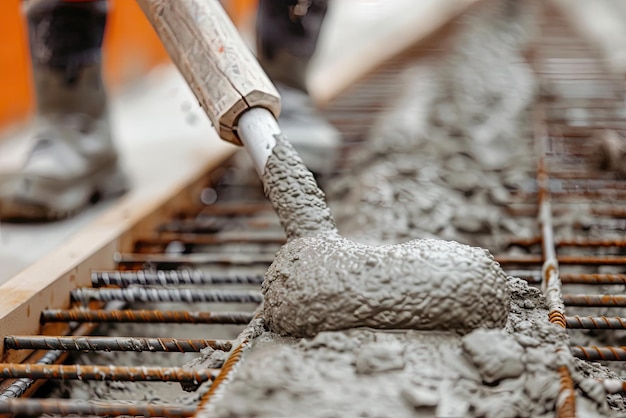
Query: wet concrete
x=440, y=164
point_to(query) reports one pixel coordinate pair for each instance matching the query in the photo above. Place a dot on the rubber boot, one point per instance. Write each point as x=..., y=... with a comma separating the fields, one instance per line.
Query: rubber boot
x=72, y=161
x=287, y=35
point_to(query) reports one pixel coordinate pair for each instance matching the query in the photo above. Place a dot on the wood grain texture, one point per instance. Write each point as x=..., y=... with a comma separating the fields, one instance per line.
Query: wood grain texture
x=220, y=69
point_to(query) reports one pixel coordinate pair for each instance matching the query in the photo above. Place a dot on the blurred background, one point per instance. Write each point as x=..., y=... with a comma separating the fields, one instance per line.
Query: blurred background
x=131, y=49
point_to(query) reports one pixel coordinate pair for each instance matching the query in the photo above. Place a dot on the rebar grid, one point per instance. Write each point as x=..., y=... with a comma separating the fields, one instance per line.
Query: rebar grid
x=170, y=277
x=146, y=316
x=18, y=342
x=38, y=407
x=106, y=373
x=568, y=184
x=188, y=295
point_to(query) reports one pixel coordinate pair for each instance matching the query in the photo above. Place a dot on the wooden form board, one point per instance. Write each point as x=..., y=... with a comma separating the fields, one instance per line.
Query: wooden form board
x=47, y=283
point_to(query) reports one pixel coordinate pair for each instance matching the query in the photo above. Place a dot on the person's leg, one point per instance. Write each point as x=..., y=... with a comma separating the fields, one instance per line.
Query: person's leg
x=287, y=35
x=73, y=159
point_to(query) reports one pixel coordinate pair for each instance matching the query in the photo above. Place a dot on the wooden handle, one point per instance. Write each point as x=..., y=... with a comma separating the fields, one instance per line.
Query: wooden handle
x=220, y=69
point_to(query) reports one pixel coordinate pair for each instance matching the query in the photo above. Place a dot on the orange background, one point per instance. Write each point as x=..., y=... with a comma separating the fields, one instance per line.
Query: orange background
x=130, y=48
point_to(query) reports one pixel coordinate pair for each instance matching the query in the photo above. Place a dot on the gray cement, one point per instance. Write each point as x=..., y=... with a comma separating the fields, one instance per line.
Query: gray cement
x=330, y=283
x=294, y=194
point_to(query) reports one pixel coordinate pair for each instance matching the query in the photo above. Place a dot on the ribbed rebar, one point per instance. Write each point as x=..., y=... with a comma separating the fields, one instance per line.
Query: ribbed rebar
x=593, y=353
x=109, y=373
x=563, y=259
x=576, y=242
x=238, y=208
x=197, y=259
x=226, y=371
x=598, y=322
x=594, y=278
x=566, y=401
x=20, y=386
x=38, y=407
x=213, y=224
x=222, y=237
x=170, y=277
x=532, y=276
x=595, y=300
x=18, y=342
x=146, y=316
x=133, y=294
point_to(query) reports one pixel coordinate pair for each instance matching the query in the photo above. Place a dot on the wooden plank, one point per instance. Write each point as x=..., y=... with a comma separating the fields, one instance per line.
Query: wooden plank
x=47, y=283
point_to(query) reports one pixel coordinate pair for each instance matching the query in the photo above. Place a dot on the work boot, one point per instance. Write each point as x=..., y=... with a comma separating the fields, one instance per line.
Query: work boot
x=287, y=35
x=72, y=160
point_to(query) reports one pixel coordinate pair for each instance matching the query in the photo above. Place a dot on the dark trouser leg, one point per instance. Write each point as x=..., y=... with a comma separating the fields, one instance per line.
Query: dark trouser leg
x=65, y=39
x=285, y=41
x=285, y=44
x=72, y=158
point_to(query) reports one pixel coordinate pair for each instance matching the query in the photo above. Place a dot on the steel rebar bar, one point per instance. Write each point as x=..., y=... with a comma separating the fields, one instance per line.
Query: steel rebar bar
x=594, y=353
x=108, y=373
x=613, y=385
x=534, y=277
x=18, y=342
x=21, y=385
x=146, y=316
x=195, y=259
x=600, y=279
x=38, y=407
x=599, y=322
x=133, y=294
x=595, y=300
